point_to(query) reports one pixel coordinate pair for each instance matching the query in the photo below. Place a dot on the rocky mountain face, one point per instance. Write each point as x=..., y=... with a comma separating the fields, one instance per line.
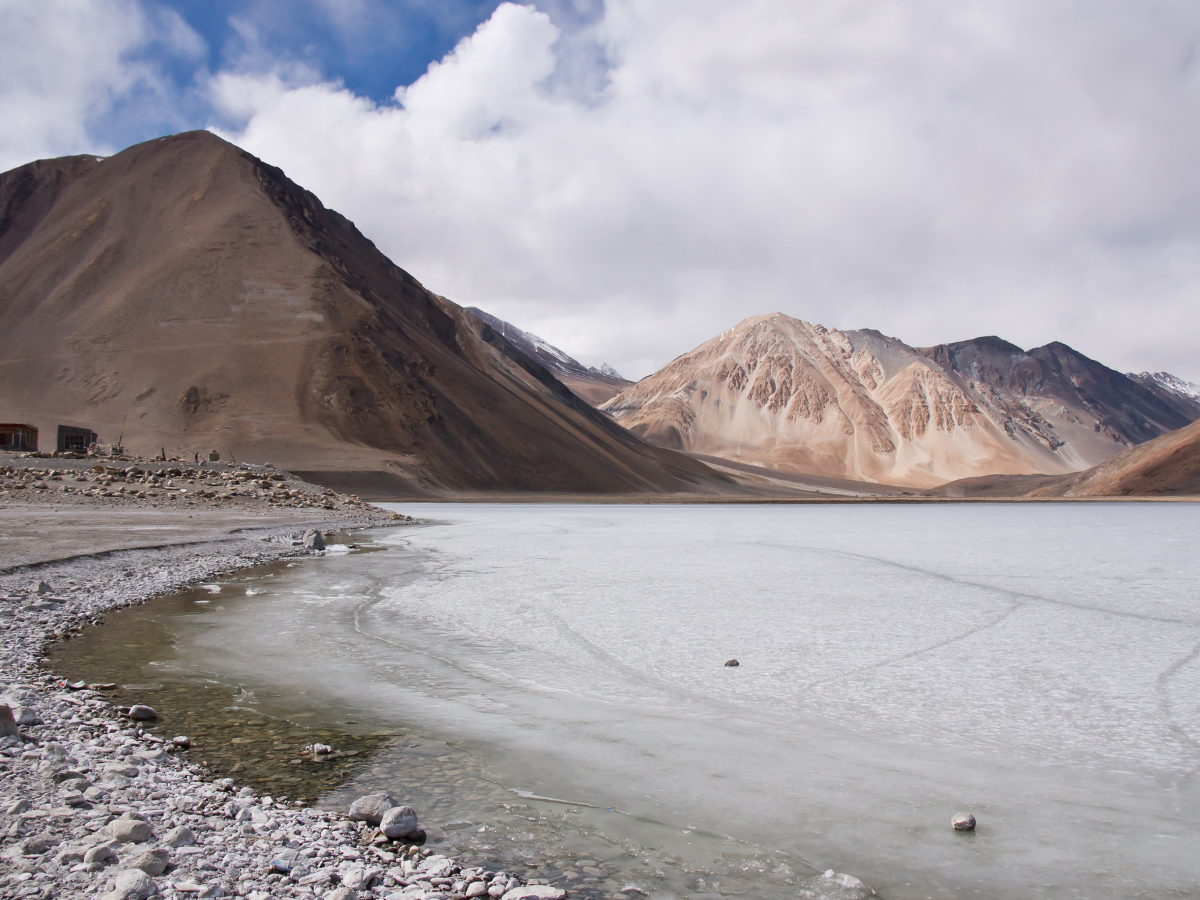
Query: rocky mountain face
x=197, y=295
x=788, y=394
x=595, y=385
x=1186, y=391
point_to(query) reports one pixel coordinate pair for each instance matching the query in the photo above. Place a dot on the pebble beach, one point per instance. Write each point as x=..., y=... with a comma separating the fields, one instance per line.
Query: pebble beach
x=94, y=804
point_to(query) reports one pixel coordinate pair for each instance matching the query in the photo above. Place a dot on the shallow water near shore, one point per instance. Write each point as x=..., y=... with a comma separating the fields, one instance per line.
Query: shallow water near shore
x=1036, y=665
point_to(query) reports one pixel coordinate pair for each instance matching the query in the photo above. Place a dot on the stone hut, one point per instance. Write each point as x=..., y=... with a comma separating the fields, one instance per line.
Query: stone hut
x=18, y=437
x=75, y=440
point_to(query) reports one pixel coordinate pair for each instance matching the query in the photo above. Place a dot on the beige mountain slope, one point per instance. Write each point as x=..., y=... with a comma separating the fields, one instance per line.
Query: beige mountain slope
x=787, y=394
x=195, y=293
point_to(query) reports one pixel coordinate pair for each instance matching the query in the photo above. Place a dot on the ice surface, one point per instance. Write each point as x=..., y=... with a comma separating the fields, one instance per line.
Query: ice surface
x=1037, y=665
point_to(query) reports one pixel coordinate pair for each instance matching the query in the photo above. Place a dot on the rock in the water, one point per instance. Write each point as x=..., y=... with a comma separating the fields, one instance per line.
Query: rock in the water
x=8, y=724
x=963, y=822
x=142, y=713
x=179, y=836
x=152, y=862
x=313, y=540
x=128, y=830
x=398, y=822
x=732, y=662
x=535, y=892
x=132, y=884
x=181, y=741
x=371, y=808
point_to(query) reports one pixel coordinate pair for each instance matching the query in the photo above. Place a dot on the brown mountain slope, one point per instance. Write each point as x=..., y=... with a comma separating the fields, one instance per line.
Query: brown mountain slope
x=1168, y=466
x=777, y=391
x=1165, y=466
x=194, y=291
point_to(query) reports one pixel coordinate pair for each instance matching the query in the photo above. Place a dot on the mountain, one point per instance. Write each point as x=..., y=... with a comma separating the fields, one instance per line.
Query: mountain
x=1168, y=466
x=595, y=385
x=193, y=295
x=1186, y=391
x=784, y=393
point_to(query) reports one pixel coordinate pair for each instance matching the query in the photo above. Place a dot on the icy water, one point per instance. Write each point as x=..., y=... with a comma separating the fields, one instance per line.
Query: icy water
x=1036, y=665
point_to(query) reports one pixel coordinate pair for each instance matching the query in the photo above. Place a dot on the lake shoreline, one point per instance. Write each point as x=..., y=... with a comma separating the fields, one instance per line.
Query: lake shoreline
x=96, y=805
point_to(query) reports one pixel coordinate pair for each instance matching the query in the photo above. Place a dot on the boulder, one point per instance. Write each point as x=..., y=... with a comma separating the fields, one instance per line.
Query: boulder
x=152, y=862
x=101, y=853
x=128, y=830
x=371, y=808
x=313, y=540
x=535, y=892
x=398, y=822
x=132, y=884
x=963, y=822
x=142, y=713
x=179, y=836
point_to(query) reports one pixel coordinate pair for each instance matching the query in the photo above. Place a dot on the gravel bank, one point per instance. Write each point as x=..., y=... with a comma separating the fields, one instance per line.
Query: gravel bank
x=91, y=805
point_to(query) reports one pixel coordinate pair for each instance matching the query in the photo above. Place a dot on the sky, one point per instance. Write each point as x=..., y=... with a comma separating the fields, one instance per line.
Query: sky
x=629, y=178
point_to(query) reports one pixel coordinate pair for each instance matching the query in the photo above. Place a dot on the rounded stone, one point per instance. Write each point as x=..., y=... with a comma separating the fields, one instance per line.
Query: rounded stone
x=132, y=884
x=128, y=831
x=398, y=822
x=371, y=808
x=152, y=862
x=963, y=822
x=731, y=663
x=142, y=713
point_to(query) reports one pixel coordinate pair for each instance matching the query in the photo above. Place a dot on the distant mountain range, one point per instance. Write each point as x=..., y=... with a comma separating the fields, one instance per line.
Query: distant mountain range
x=195, y=297
x=595, y=385
x=780, y=392
x=1168, y=382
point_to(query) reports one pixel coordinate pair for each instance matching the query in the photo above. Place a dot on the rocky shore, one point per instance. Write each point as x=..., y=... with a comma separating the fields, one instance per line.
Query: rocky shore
x=92, y=803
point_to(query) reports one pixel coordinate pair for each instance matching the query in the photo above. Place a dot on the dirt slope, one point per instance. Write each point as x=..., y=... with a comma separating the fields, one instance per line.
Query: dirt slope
x=197, y=293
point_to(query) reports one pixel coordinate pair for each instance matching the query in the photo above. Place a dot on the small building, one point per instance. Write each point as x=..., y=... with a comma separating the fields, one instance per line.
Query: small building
x=18, y=437
x=75, y=440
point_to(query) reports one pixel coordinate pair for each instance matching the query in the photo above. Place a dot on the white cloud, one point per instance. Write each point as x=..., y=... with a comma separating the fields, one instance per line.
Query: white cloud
x=937, y=169
x=66, y=63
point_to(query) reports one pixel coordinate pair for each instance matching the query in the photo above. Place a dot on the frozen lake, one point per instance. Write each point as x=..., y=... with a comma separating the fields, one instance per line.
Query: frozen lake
x=1037, y=665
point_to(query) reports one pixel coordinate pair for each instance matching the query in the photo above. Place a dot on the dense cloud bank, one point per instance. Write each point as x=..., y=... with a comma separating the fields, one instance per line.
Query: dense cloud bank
x=629, y=183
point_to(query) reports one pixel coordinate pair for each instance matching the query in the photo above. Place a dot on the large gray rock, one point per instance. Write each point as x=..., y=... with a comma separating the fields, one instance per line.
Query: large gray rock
x=963, y=822
x=371, y=808
x=342, y=893
x=101, y=853
x=152, y=862
x=128, y=830
x=142, y=713
x=132, y=884
x=313, y=540
x=398, y=822
x=179, y=836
